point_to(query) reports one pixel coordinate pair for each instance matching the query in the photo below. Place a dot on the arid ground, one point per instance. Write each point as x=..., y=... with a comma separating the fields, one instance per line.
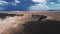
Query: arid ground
x=11, y=22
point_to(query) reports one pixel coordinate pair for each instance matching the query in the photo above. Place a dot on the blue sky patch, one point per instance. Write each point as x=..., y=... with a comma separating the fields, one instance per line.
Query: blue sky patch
x=28, y=5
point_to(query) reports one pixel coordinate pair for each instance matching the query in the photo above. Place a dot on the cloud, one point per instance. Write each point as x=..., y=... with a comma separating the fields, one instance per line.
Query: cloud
x=39, y=1
x=7, y=3
x=16, y=1
x=55, y=7
x=17, y=5
x=3, y=3
x=38, y=7
x=41, y=6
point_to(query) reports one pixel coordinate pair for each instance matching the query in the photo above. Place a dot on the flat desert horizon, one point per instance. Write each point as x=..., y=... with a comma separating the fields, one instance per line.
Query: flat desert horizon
x=53, y=15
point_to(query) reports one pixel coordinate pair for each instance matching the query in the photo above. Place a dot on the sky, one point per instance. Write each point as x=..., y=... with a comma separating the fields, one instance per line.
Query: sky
x=28, y=5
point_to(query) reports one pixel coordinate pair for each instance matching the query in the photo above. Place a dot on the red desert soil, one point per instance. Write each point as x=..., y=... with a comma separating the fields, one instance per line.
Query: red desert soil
x=12, y=22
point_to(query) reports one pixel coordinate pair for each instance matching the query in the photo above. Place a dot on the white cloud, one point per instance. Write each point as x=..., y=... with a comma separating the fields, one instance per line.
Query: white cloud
x=3, y=2
x=14, y=4
x=52, y=2
x=16, y=1
x=38, y=7
x=41, y=6
x=39, y=1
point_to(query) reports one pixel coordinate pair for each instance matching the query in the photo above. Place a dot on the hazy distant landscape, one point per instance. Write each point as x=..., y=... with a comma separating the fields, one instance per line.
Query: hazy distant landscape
x=54, y=15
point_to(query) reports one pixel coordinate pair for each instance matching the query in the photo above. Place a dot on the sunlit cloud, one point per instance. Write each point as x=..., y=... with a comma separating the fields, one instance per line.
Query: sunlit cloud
x=38, y=0
x=38, y=7
x=41, y=6
x=3, y=2
x=41, y=2
x=16, y=1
